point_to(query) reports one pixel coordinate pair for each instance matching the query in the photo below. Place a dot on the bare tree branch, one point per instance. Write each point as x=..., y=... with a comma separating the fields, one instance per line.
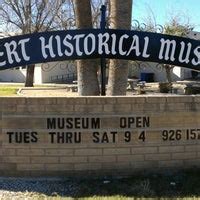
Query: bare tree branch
x=37, y=15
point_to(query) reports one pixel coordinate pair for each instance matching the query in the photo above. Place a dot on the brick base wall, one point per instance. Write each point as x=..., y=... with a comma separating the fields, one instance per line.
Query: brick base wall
x=102, y=135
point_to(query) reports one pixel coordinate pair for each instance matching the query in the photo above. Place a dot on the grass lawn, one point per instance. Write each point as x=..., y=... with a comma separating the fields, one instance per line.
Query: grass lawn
x=11, y=89
x=8, y=91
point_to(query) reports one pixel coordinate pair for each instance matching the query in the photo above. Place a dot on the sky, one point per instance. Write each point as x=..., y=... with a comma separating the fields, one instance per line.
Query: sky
x=163, y=9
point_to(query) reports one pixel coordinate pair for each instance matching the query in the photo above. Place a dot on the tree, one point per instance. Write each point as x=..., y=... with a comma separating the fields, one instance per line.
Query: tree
x=31, y=16
x=175, y=27
x=121, y=12
x=87, y=69
x=178, y=25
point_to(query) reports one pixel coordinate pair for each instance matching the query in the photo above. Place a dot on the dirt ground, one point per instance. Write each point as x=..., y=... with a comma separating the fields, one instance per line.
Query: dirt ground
x=47, y=93
x=150, y=89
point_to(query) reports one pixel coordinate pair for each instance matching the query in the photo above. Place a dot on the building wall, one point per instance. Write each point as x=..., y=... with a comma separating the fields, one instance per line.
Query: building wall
x=177, y=74
x=38, y=74
x=194, y=35
x=123, y=135
x=56, y=71
x=17, y=75
x=44, y=73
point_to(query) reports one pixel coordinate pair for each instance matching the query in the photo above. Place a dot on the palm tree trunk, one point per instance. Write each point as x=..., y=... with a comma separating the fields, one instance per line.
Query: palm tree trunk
x=87, y=69
x=118, y=70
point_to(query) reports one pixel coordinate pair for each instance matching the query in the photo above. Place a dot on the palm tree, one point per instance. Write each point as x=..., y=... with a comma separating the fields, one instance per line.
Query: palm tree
x=118, y=70
x=86, y=69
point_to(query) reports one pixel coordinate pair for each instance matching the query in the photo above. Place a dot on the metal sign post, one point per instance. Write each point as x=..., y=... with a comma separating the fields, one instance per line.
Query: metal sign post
x=103, y=60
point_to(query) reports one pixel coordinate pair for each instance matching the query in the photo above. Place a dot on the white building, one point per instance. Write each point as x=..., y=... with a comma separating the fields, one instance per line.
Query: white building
x=54, y=72
x=138, y=69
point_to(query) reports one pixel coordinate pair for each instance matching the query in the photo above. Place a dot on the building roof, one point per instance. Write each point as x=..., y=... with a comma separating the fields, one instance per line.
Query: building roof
x=194, y=35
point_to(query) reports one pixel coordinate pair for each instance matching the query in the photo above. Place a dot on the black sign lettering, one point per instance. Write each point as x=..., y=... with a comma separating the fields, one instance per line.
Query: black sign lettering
x=134, y=122
x=73, y=123
x=96, y=138
x=22, y=137
x=127, y=136
x=65, y=137
x=104, y=137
